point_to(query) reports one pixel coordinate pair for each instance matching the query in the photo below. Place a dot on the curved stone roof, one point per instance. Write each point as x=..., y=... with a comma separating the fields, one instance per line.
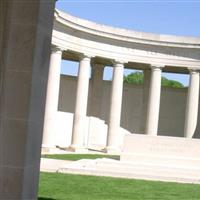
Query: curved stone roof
x=106, y=42
x=125, y=34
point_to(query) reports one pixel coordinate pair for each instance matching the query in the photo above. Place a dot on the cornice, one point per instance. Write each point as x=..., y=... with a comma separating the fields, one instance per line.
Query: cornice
x=125, y=35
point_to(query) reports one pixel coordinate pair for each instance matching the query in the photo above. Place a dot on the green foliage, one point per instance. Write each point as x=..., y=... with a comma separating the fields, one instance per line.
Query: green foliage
x=56, y=186
x=138, y=78
x=134, y=78
x=171, y=83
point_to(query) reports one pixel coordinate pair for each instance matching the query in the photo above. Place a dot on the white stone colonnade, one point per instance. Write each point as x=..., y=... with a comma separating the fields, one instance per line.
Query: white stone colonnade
x=80, y=114
x=145, y=51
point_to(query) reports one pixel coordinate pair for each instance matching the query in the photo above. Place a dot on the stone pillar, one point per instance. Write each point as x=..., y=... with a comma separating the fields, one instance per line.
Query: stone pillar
x=78, y=133
x=191, y=113
x=52, y=100
x=115, y=108
x=153, y=107
x=25, y=33
x=96, y=90
x=147, y=79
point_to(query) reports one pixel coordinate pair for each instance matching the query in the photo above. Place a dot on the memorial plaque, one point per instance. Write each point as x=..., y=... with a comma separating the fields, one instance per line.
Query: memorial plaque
x=161, y=150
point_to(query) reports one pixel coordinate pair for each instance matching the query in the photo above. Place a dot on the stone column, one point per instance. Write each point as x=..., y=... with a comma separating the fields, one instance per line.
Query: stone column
x=145, y=95
x=52, y=100
x=191, y=113
x=96, y=90
x=25, y=31
x=153, y=107
x=115, y=108
x=78, y=133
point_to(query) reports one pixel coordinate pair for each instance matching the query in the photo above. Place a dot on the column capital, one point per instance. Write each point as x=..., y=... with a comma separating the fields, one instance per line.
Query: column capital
x=193, y=70
x=56, y=49
x=118, y=63
x=86, y=56
x=156, y=67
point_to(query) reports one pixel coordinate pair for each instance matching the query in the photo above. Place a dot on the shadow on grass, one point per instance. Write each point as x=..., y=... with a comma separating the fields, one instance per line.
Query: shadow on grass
x=45, y=198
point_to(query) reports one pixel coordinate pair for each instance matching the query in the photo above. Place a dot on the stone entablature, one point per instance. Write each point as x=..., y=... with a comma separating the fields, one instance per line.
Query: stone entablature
x=105, y=42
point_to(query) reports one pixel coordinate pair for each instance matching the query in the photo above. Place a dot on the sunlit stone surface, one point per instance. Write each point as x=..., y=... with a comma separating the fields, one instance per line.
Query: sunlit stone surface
x=25, y=37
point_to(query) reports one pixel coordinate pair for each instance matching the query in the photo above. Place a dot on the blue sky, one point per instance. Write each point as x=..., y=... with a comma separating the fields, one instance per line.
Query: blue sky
x=167, y=17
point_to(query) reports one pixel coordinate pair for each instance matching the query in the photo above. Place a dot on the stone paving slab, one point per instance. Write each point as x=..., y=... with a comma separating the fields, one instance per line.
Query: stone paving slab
x=52, y=165
x=114, y=168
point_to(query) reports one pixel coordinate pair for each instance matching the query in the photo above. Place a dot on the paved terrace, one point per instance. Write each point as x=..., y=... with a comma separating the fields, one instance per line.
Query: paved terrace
x=115, y=168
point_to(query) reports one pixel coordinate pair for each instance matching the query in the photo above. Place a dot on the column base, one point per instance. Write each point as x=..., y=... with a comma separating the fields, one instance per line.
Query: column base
x=112, y=150
x=151, y=134
x=77, y=149
x=49, y=149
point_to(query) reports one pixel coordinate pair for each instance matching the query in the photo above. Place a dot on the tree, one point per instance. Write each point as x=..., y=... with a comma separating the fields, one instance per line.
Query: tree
x=134, y=78
x=171, y=83
x=138, y=78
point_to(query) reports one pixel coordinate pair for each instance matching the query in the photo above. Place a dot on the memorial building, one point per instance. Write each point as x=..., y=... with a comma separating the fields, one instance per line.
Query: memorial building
x=87, y=112
x=144, y=122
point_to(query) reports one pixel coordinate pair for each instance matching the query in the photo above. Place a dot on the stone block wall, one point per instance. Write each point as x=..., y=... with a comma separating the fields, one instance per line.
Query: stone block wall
x=172, y=106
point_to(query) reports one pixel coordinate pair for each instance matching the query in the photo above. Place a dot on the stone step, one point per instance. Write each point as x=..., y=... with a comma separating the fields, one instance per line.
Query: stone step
x=162, y=160
x=130, y=170
x=118, y=164
x=191, y=164
x=135, y=175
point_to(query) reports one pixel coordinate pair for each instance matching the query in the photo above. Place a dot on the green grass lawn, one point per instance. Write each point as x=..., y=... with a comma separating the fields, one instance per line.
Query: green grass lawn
x=79, y=156
x=54, y=186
